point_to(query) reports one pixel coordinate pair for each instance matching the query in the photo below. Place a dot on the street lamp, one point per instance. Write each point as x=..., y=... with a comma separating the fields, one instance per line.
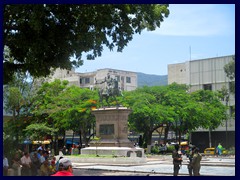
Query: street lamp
x=227, y=100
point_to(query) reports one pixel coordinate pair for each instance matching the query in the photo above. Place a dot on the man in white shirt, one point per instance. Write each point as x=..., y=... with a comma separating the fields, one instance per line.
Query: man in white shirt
x=5, y=166
x=26, y=164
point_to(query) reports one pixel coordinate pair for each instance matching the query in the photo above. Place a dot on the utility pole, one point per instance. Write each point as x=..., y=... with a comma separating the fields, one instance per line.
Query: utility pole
x=227, y=100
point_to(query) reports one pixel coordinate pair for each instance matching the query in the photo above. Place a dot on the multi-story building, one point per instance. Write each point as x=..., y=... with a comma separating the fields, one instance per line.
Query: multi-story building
x=127, y=80
x=207, y=74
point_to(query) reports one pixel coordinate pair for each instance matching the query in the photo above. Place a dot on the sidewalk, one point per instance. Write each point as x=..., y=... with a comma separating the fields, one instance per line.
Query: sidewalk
x=161, y=165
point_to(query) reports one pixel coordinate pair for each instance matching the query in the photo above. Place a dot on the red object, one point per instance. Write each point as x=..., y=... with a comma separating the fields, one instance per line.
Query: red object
x=63, y=173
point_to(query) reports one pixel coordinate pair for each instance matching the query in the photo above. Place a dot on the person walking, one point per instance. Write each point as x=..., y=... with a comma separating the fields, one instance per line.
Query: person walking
x=177, y=160
x=219, y=149
x=197, y=157
x=65, y=168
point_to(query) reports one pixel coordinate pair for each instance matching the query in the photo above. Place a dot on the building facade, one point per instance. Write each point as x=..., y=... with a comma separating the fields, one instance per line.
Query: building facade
x=127, y=80
x=207, y=74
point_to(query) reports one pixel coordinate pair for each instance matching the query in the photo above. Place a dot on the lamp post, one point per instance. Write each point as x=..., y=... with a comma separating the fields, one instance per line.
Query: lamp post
x=227, y=100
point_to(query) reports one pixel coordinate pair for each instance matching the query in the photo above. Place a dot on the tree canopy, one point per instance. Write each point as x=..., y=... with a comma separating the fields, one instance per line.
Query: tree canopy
x=229, y=69
x=173, y=107
x=42, y=37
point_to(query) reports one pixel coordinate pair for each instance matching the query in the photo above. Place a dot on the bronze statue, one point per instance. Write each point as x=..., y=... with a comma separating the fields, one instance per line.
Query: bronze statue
x=111, y=89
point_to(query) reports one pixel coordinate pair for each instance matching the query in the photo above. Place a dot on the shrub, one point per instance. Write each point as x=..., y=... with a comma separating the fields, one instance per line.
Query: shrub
x=155, y=150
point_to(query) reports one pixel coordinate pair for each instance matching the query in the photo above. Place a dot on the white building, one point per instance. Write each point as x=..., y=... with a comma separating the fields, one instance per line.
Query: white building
x=207, y=74
x=127, y=79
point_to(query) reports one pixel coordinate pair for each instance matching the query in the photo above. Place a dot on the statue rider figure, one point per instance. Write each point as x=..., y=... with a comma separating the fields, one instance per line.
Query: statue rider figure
x=110, y=89
x=109, y=84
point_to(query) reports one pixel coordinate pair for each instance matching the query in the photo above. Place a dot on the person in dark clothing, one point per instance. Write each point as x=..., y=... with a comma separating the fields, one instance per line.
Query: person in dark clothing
x=177, y=160
x=191, y=153
x=197, y=157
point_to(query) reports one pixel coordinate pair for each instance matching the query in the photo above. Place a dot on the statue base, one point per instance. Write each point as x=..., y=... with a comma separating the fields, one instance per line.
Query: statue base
x=112, y=127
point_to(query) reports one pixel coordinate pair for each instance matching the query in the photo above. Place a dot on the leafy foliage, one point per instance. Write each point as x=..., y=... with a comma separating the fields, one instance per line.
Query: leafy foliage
x=230, y=72
x=173, y=107
x=44, y=36
x=66, y=107
x=39, y=131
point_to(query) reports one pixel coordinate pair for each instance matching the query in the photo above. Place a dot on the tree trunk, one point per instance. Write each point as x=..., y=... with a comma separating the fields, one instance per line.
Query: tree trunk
x=55, y=146
x=179, y=136
x=72, y=138
x=166, y=134
x=210, y=138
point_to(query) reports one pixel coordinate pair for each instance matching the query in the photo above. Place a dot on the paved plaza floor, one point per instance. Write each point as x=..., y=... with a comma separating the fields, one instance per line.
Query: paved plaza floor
x=159, y=165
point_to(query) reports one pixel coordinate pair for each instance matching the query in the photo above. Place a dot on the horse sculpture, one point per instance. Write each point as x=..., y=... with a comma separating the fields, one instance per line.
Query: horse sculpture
x=110, y=90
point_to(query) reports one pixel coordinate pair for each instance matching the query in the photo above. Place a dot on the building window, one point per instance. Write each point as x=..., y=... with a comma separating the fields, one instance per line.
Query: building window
x=81, y=80
x=128, y=79
x=207, y=87
x=118, y=78
x=87, y=80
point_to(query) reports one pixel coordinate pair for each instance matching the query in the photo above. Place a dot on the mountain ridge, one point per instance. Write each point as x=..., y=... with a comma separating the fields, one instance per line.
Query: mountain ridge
x=151, y=79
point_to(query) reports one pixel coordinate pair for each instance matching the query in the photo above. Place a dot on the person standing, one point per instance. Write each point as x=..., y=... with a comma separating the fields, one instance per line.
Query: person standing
x=197, y=157
x=5, y=166
x=177, y=160
x=26, y=164
x=65, y=168
x=190, y=156
x=16, y=165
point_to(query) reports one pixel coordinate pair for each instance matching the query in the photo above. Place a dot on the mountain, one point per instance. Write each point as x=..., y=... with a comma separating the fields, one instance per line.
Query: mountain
x=151, y=80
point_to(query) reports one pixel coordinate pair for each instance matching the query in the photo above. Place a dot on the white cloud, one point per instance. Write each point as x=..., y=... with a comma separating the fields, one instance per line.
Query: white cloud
x=198, y=20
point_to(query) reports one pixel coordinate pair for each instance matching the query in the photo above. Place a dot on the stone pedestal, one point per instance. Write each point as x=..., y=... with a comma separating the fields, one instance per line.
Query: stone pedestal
x=112, y=127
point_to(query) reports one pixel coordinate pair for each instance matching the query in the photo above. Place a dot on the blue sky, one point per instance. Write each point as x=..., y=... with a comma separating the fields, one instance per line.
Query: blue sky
x=192, y=31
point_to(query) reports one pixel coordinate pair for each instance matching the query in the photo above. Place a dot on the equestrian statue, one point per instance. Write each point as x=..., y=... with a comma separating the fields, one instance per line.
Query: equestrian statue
x=110, y=89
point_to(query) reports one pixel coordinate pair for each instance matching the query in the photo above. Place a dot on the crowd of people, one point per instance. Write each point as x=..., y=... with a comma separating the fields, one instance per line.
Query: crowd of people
x=37, y=163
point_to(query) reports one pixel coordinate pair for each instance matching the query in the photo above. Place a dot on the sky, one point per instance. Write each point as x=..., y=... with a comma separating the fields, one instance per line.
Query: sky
x=190, y=32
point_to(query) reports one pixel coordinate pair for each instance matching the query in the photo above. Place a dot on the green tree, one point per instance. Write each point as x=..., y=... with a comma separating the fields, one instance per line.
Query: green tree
x=65, y=107
x=230, y=72
x=74, y=110
x=39, y=131
x=42, y=107
x=17, y=97
x=173, y=107
x=148, y=113
x=44, y=36
x=213, y=111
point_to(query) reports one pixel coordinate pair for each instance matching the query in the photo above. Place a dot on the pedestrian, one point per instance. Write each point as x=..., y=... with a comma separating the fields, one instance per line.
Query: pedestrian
x=45, y=169
x=219, y=149
x=53, y=165
x=177, y=160
x=35, y=164
x=26, y=164
x=64, y=150
x=197, y=157
x=190, y=156
x=5, y=165
x=65, y=168
x=16, y=165
x=57, y=163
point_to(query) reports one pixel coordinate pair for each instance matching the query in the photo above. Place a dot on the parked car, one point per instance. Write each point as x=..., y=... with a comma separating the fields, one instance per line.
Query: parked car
x=212, y=151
